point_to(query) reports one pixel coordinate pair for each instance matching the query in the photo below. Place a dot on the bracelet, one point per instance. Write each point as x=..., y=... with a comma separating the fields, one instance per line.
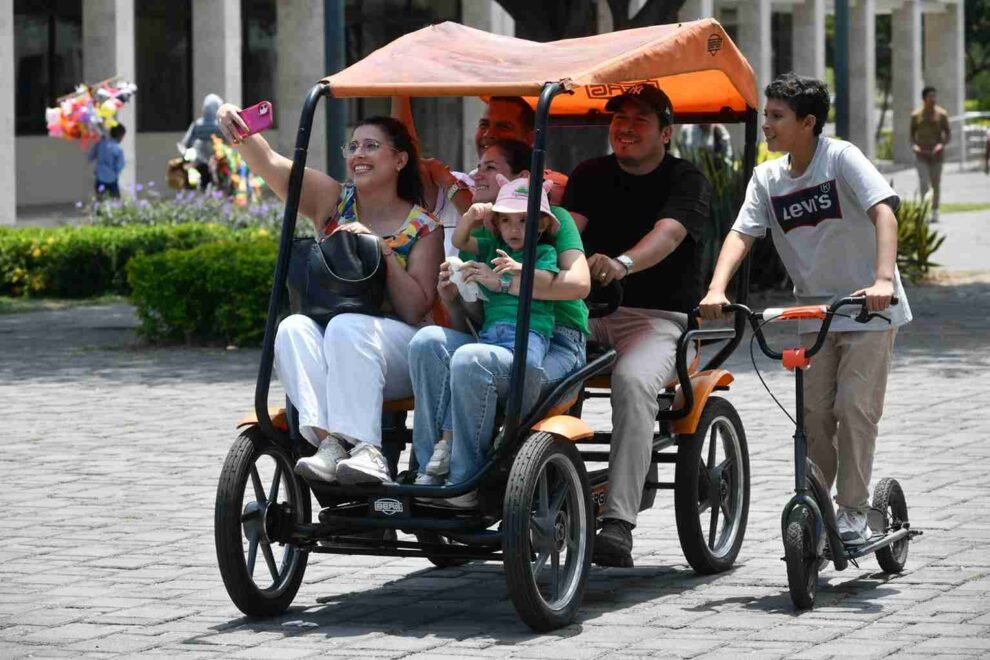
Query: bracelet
x=452, y=190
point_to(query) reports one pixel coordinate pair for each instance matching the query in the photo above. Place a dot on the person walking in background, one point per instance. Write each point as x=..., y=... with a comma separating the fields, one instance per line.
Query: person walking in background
x=929, y=135
x=109, y=158
x=198, y=137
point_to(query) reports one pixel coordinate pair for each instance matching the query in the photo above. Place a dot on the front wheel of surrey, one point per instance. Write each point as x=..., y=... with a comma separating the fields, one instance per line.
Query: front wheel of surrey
x=711, y=489
x=801, y=557
x=548, y=530
x=257, y=489
x=888, y=498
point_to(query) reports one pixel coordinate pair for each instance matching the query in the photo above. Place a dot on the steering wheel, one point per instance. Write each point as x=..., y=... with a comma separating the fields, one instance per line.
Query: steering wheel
x=604, y=299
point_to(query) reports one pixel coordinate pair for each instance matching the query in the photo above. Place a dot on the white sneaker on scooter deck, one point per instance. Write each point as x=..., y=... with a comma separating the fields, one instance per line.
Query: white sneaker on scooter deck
x=854, y=529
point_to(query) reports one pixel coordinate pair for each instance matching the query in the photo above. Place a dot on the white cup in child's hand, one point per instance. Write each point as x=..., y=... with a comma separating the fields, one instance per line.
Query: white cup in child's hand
x=470, y=291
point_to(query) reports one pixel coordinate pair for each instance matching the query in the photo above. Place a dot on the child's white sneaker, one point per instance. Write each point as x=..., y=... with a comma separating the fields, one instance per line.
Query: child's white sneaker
x=439, y=464
x=428, y=480
x=854, y=529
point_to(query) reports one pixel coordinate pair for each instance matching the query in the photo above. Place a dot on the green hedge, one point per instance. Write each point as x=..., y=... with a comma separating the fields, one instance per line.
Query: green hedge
x=213, y=293
x=79, y=262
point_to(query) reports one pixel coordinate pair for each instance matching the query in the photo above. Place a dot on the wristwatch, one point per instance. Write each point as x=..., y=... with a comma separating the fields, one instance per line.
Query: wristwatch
x=626, y=261
x=504, y=283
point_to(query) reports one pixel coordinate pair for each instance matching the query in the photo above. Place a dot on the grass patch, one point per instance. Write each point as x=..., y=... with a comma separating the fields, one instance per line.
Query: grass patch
x=17, y=305
x=963, y=208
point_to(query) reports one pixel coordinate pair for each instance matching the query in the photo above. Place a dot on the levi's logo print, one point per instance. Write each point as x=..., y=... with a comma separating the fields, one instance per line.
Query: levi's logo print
x=808, y=207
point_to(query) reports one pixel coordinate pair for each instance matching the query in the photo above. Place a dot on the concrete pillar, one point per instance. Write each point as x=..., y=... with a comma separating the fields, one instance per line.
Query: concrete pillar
x=754, y=41
x=862, y=76
x=108, y=50
x=490, y=17
x=945, y=63
x=693, y=10
x=906, y=65
x=8, y=139
x=216, y=39
x=300, y=66
x=808, y=39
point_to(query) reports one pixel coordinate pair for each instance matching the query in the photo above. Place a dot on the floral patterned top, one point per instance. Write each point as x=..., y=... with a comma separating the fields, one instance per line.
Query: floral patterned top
x=418, y=223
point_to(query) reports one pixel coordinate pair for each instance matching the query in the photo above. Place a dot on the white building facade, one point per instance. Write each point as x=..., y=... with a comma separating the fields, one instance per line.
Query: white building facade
x=177, y=51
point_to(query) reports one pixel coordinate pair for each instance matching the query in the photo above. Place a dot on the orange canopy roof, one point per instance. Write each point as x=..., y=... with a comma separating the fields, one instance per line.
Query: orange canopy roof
x=695, y=63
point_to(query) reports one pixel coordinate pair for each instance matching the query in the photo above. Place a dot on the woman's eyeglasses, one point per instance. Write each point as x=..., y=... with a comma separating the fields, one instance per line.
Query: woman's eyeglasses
x=367, y=146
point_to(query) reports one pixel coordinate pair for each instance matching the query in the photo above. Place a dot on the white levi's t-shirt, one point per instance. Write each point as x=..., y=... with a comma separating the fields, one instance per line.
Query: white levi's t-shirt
x=821, y=229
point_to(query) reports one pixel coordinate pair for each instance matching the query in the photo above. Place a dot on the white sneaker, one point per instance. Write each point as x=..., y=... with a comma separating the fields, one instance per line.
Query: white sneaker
x=428, y=480
x=366, y=465
x=439, y=464
x=322, y=466
x=853, y=526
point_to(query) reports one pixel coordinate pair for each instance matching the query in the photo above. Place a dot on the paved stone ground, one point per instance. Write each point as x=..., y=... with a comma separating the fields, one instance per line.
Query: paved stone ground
x=111, y=453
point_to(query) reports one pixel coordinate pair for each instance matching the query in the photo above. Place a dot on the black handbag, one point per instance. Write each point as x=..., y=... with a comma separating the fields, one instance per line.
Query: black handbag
x=343, y=273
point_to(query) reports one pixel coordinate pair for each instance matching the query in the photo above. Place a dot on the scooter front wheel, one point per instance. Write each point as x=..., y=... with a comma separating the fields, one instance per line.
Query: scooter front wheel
x=801, y=556
x=888, y=498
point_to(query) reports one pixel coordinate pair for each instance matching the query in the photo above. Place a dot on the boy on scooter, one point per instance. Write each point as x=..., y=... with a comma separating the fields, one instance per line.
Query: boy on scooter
x=831, y=215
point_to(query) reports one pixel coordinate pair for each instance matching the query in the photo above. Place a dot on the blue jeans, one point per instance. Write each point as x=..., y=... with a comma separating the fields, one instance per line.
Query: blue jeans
x=450, y=371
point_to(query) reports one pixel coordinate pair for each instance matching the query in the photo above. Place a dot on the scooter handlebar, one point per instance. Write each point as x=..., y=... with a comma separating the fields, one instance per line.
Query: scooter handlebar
x=824, y=313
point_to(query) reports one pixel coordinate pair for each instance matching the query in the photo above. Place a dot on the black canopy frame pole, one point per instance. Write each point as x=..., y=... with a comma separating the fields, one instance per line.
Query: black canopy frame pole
x=317, y=92
x=517, y=376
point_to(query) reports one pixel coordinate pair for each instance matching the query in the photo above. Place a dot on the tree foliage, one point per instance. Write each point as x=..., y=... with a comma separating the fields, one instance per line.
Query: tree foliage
x=977, y=38
x=565, y=19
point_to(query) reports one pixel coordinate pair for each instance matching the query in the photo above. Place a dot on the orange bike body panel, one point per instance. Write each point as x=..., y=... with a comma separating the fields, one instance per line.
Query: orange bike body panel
x=277, y=415
x=565, y=426
x=703, y=384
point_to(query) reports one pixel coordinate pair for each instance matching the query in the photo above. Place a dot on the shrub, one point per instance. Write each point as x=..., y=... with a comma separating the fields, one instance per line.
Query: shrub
x=916, y=240
x=187, y=206
x=212, y=293
x=77, y=262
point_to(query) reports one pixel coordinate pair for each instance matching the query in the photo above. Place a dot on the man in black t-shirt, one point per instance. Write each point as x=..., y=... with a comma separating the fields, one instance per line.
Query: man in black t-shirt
x=643, y=214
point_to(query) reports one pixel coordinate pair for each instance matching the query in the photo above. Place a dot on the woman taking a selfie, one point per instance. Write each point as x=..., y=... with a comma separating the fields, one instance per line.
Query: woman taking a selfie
x=338, y=377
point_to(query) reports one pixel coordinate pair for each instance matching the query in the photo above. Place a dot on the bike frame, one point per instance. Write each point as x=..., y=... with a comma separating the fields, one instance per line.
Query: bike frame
x=514, y=426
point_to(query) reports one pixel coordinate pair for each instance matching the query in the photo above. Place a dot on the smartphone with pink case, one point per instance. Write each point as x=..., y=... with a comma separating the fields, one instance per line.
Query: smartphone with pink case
x=258, y=117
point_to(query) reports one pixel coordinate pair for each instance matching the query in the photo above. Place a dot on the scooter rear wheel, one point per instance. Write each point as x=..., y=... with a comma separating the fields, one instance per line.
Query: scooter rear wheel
x=888, y=498
x=801, y=556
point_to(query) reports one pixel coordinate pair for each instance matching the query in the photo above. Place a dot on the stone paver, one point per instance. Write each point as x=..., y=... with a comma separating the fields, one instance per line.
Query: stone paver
x=111, y=454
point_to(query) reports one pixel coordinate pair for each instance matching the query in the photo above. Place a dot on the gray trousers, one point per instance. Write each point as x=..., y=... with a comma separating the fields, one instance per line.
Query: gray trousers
x=930, y=176
x=646, y=341
x=843, y=400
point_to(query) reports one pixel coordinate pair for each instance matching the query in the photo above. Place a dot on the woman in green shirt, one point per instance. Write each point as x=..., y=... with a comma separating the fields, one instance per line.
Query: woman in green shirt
x=449, y=369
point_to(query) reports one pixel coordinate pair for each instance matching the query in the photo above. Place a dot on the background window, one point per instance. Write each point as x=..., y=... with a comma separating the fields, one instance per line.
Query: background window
x=259, y=51
x=47, y=58
x=163, y=41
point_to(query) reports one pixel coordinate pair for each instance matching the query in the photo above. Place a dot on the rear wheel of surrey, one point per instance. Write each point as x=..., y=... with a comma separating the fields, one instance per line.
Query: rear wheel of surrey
x=257, y=489
x=801, y=556
x=548, y=530
x=440, y=561
x=711, y=489
x=888, y=498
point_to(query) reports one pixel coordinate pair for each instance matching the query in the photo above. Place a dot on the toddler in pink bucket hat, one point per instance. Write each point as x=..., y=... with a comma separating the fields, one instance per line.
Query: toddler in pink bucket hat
x=513, y=197
x=490, y=238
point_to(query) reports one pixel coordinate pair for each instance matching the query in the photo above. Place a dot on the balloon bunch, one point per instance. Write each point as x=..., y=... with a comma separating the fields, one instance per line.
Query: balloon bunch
x=232, y=175
x=90, y=112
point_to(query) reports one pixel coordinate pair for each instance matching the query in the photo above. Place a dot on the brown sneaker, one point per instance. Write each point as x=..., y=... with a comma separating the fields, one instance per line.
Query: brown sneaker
x=613, y=545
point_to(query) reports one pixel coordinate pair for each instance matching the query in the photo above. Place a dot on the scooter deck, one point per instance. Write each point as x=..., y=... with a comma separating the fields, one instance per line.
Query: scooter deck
x=871, y=546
